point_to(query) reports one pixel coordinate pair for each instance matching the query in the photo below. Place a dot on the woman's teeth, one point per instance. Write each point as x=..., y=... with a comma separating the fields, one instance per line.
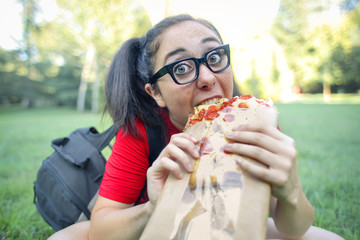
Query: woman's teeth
x=210, y=101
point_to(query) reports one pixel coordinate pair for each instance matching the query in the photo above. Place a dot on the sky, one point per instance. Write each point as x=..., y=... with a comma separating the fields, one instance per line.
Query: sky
x=254, y=14
x=11, y=23
x=233, y=18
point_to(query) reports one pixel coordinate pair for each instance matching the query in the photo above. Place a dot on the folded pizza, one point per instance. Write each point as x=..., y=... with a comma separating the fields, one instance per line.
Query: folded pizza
x=218, y=200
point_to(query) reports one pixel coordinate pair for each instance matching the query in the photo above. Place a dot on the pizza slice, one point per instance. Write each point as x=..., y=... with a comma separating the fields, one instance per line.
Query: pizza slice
x=218, y=200
x=217, y=184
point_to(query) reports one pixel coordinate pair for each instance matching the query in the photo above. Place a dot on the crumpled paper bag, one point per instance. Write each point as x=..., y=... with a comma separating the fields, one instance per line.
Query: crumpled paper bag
x=218, y=200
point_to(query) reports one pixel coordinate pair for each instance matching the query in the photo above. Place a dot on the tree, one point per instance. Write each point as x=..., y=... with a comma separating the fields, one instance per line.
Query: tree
x=52, y=59
x=12, y=76
x=101, y=26
x=308, y=39
x=56, y=63
x=30, y=9
x=252, y=85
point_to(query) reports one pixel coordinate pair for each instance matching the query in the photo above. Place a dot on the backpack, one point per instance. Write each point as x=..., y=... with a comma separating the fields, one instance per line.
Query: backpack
x=68, y=180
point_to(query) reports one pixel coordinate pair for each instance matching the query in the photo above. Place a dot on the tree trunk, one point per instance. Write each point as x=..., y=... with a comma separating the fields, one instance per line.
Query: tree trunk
x=95, y=89
x=28, y=21
x=326, y=92
x=85, y=74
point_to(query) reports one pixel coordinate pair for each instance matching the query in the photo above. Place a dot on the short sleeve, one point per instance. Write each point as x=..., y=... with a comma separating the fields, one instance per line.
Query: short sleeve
x=125, y=171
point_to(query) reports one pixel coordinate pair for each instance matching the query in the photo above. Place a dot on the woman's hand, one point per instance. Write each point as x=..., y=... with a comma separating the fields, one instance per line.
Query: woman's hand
x=269, y=146
x=292, y=213
x=180, y=150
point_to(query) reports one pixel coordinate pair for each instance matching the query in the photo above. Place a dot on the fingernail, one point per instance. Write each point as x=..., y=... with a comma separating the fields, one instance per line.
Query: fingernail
x=190, y=167
x=229, y=134
x=194, y=139
x=196, y=153
x=240, y=127
x=239, y=162
x=227, y=146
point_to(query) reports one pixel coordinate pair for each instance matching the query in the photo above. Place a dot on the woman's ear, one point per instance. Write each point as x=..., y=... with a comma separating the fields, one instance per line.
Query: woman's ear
x=155, y=94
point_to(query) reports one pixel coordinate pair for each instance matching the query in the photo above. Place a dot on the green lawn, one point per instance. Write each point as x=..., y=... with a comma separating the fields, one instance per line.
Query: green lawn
x=327, y=135
x=328, y=143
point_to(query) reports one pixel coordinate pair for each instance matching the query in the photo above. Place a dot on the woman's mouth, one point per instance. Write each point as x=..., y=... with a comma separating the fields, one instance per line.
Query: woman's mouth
x=209, y=101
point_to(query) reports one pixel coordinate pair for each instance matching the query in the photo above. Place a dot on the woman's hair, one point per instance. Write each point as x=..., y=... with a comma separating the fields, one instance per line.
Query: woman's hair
x=130, y=70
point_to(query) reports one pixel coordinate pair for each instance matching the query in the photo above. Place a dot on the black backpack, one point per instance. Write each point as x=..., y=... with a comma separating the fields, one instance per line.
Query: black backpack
x=68, y=180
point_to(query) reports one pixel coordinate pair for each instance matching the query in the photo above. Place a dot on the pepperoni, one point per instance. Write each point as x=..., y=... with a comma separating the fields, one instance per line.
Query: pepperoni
x=229, y=103
x=229, y=117
x=226, y=110
x=262, y=102
x=212, y=112
x=201, y=114
x=193, y=121
x=205, y=146
x=246, y=97
x=243, y=105
x=198, y=118
x=211, y=115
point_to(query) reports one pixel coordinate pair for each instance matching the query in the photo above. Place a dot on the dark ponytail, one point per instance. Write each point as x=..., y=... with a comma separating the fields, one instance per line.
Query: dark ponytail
x=124, y=89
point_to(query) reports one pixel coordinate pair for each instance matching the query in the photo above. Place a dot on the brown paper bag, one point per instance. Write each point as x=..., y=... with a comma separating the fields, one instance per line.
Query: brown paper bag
x=218, y=200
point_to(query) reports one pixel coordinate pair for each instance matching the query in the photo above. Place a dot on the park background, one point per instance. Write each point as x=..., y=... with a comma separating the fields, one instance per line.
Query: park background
x=304, y=54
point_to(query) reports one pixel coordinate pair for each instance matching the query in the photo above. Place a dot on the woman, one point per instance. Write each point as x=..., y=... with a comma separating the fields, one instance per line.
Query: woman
x=148, y=84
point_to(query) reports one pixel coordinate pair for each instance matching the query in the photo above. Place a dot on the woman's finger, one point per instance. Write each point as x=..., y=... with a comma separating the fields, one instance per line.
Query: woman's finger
x=162, y=167
x=187, y=143
x=259, y=154
x=177, y=154
x=182, y=149
x=263, y=147
x=262, y=128
x=157, y=175
x=271, y=175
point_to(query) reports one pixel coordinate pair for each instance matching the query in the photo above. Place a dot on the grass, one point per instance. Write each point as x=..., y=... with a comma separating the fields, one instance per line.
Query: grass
x=332, y=99
x=24, y=142
x=327, y=136
x=328, y=140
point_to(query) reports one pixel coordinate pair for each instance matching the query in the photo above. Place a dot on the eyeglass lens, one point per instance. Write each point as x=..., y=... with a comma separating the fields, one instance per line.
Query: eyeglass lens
x=187, y=71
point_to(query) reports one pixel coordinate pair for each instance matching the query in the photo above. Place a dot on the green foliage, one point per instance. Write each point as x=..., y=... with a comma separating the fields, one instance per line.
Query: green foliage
x=58, y=88
x=253, y=85
x=275, y=72
x=345, y=68
x=312, y=47
x=48, y=67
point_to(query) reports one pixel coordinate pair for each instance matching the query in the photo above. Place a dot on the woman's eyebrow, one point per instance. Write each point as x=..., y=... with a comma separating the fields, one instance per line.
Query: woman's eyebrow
x=176, y=51
x=210, y=39
x=172, y=53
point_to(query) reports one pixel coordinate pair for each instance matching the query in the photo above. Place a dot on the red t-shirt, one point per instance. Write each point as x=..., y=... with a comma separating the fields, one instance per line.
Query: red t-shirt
x=125, y=171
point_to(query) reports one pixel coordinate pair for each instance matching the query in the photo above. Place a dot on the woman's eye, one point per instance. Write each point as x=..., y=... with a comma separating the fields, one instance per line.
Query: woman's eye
x=181, y=69
x=214, y=58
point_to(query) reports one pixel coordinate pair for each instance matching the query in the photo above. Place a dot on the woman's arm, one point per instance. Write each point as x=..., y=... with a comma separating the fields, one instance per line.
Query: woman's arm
x=114, y=220
x=292, y=219
x=292, y=212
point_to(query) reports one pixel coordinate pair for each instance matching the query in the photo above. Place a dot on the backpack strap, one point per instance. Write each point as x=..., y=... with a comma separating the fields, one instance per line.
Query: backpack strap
x=101, y=140
x=157, y=143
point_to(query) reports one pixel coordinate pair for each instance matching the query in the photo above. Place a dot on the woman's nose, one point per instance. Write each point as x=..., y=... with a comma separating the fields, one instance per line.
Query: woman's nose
x=206, y=78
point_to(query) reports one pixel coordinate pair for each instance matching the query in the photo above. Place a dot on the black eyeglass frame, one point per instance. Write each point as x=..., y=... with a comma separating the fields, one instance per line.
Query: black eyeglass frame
x=169, y=67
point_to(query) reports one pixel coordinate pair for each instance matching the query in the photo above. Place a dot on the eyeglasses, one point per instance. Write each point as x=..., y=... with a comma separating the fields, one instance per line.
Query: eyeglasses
x=187, y=70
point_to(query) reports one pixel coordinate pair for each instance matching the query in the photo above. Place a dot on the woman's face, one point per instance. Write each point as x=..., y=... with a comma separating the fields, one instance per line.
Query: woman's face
x=182, y=40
